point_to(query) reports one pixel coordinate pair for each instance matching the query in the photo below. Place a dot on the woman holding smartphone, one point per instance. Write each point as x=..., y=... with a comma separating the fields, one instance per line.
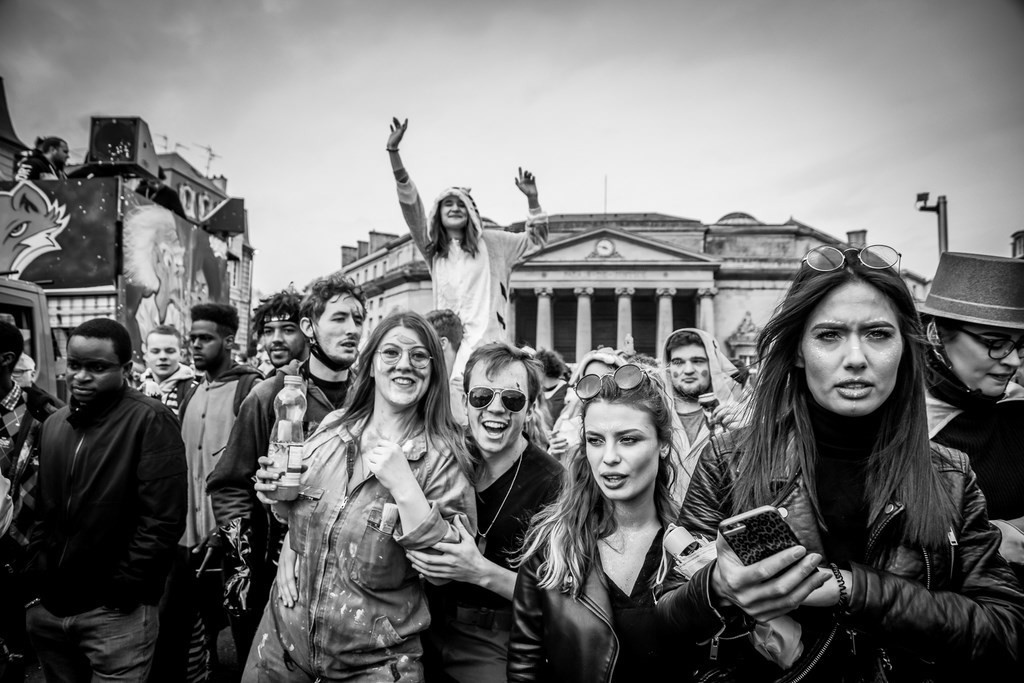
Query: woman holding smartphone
x=896, y=575
x=592, y=565
x=385, y=475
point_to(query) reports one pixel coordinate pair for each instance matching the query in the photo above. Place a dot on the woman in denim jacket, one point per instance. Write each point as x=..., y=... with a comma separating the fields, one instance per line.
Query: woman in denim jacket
x=386, y=474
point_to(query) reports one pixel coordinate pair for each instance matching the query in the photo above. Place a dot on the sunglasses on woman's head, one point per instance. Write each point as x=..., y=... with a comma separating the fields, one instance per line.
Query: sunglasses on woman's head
x=625, y=378
x=825, y=259
x=481, y=397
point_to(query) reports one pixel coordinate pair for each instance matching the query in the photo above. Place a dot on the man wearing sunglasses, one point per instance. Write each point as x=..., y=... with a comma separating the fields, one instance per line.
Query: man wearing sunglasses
x=974, y=318
x=697, y=368
x=472, y=615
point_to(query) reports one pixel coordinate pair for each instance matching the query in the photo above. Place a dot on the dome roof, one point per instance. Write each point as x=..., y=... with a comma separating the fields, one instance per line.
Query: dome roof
x=738, y=218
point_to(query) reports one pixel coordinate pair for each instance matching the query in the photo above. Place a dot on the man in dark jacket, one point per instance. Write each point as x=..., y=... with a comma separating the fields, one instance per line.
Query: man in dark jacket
x=331, y=319
x=45, y=162
x=111, y=500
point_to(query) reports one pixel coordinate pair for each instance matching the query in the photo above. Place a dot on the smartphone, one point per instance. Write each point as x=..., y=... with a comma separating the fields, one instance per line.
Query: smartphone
x=757, y=534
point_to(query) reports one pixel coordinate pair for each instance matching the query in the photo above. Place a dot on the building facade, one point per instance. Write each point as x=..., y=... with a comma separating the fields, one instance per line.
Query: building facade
x=616, y=279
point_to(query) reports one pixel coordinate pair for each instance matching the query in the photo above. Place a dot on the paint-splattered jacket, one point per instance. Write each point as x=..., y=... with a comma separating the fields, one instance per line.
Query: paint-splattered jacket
x=360, y=601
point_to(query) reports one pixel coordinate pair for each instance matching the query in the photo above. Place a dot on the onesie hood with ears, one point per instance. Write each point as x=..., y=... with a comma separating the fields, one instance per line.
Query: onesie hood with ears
x=462, y=194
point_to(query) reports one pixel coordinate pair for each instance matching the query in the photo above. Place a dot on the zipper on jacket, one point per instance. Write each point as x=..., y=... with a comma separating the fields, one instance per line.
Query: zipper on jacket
x=927, y=568
x=592, y=606
x=817, y=656
x=878, y=531
x=71, y=495
x=953, y=543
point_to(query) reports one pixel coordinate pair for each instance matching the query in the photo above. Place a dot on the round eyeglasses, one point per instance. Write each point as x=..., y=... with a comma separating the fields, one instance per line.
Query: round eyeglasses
x=998, y=347
x=625, y=378
x=481, y=397
x=391, y=354
x=825, y=259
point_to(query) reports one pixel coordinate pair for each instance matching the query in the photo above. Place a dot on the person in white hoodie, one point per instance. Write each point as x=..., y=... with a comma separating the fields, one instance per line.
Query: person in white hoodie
x=470, y=266
x=165, y=378
x=696, y=367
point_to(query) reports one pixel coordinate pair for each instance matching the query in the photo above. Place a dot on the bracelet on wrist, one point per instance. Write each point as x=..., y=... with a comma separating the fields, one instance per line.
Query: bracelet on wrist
x=844, y=595
x=392, y=150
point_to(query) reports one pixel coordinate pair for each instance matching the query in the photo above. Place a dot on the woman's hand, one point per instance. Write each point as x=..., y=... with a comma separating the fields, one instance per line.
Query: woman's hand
x=770, y=588
x=527, y=184
x=1011, y=546
x=388, y=463
x=731, y=416
x=557, y=445
x=287, y=575
x=398, y=129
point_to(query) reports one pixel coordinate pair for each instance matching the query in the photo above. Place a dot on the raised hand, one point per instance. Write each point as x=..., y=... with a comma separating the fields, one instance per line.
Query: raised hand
x=527, y=184
x=397, y=133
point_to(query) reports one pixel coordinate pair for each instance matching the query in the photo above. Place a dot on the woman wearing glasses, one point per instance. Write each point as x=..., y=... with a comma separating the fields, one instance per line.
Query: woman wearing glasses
x=592, y=565
x=974, y=317
x=385, y=475
x=896, y=574
x=565, y=432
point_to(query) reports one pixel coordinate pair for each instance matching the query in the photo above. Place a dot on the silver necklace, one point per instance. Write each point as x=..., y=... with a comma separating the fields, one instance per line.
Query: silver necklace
x=481, y=542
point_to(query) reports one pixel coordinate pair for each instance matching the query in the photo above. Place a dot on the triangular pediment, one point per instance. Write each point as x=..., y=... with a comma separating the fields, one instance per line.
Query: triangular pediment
x=613, y=247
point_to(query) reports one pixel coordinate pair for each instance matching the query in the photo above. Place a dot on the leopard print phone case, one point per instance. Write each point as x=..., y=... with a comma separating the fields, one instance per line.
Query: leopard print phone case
x=757, y=534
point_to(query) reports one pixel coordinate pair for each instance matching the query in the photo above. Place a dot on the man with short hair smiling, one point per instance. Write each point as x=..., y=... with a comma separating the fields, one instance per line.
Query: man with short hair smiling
x=111, y=504
x=165, y=378
x=469, y=636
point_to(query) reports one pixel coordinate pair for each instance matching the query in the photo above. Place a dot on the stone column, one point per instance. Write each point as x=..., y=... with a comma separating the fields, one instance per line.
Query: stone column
x=663, y=327
x=706, y=309
x=545, y=340
x=510, y=319
x=584, y=332
x=625, y=327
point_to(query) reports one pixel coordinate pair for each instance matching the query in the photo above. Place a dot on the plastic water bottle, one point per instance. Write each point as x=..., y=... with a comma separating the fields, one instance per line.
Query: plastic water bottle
x=287, y=437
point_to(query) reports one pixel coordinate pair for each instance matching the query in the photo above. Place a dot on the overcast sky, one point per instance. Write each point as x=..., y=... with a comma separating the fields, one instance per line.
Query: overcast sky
x=833, y=112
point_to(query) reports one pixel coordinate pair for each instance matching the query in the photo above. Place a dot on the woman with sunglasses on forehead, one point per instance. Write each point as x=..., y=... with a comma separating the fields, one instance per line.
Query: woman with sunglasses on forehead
x=592, y=566
x=565, y=432
x=386, y=474
x=896, y=574
x=974, y=317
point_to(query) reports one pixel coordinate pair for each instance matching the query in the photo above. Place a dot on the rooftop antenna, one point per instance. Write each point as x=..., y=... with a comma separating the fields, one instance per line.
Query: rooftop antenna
x=606, y=193
x=178, y=145
x=166, y=141
x=210, y=156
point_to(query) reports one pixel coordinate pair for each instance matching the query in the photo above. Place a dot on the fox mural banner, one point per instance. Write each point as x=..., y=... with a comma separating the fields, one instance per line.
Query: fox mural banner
x=88, y=236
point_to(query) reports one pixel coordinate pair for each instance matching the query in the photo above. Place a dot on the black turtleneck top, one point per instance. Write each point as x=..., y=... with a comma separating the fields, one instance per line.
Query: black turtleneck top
x=844, y=445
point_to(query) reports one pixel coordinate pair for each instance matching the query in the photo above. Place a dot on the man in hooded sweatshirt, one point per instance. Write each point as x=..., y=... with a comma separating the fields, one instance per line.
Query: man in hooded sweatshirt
x=207, y=416
x=469, y=266
x=697, y=367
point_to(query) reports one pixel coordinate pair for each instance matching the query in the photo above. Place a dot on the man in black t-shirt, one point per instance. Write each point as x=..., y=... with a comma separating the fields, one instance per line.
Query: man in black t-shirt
x=472, y=615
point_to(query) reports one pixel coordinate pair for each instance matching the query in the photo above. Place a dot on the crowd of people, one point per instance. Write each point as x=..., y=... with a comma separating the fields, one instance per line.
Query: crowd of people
x=473, y=511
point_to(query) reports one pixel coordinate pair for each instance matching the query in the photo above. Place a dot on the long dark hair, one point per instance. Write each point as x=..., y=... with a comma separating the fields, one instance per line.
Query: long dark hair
x=565, y=534
x=434, y=409
x=900, y=467
x=437, y=235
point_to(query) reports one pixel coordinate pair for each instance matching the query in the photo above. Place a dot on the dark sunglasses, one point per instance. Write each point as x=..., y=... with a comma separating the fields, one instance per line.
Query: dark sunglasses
x=998, y=347
x=625, y=378
x=825, y=259
x=481, y=397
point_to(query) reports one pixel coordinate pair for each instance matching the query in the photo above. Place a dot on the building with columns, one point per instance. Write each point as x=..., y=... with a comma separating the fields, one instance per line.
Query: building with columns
x=605, y=277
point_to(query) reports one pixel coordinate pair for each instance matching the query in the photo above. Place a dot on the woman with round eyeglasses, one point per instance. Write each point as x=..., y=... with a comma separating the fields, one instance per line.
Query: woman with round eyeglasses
x=386, y=474
x=895, y=575
x=592, y=565
x=974, y=317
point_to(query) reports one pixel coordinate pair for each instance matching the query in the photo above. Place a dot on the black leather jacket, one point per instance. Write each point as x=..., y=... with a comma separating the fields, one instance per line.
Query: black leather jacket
x=562, y=639
x=915, y=613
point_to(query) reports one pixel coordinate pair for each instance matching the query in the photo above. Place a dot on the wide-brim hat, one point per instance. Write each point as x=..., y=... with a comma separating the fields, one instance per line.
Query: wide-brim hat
x=977, y=288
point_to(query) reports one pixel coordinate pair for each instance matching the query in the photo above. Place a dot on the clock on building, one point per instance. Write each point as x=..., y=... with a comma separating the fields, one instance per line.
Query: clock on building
x=604, y=247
